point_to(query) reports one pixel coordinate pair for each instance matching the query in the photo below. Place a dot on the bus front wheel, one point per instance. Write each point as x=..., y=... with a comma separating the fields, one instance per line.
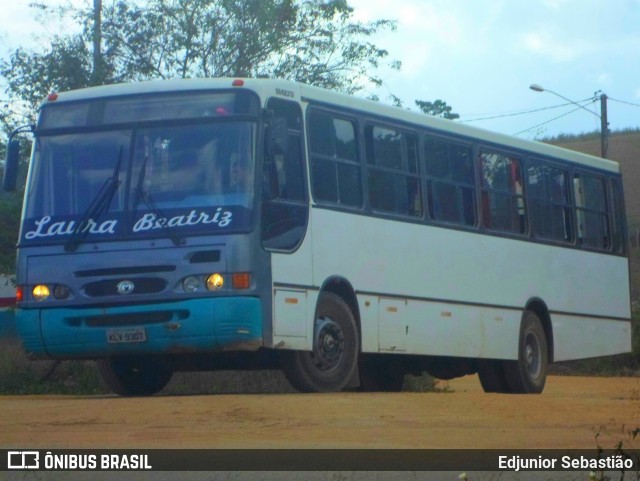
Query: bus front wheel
x=528, y=374
x=334, y=358
x=134, y=376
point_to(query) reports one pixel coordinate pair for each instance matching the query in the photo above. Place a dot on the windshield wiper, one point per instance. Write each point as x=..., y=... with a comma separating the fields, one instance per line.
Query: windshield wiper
x=98, y=206
x=160, y=217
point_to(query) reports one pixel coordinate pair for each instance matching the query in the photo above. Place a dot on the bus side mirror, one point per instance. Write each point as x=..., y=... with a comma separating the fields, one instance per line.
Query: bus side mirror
x=13, y=158
x=278, y=136
x=11, y=166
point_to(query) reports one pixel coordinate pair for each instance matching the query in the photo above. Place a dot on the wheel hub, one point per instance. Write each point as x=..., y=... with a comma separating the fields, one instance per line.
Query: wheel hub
x=532, y=355
x=329, y=344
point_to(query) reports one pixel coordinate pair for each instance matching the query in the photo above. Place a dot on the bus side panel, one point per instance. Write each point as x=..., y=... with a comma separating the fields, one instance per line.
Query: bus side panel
x=597, y=337
x=369, y=322
x=441, y=329
x=466, y=290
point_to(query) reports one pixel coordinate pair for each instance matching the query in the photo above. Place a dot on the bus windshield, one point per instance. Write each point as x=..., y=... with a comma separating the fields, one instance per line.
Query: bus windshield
x=190, y=178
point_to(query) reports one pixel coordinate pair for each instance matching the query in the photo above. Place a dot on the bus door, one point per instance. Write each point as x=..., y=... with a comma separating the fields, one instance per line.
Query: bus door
x=285, y=212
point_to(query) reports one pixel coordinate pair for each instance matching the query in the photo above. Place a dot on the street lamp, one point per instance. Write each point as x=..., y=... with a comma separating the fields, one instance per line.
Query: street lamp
x=604, y=124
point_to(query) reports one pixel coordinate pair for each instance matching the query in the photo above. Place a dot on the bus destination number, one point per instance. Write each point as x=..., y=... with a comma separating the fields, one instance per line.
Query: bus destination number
x=136, y=334
x=285, y=93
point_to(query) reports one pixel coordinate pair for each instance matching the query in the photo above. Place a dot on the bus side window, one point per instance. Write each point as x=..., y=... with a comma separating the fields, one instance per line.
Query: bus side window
x=618, y=228
x=503, y=201
x=549, y=201
x=591, y=211
x=335, y=167
x=392, y=171
x=450, y=181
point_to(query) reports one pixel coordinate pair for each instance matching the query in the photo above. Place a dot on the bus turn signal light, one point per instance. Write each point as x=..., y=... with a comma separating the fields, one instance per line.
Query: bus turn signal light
x=241, y=280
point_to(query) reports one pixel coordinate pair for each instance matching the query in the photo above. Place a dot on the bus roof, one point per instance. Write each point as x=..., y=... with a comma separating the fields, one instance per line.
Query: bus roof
x=266, y=88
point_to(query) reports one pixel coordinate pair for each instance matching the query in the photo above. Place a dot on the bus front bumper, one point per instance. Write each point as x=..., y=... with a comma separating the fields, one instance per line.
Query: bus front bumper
x=191, y=326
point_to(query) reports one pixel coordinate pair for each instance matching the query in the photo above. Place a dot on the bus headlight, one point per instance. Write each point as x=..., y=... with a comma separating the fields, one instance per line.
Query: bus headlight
x=215, y=282
x=41, y=292
x=61, y=292
x=191, y=284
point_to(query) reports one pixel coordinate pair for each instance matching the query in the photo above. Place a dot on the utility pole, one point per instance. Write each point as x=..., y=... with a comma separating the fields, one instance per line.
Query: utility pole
x=604, y=126
x=96, y=74
x=604, y=123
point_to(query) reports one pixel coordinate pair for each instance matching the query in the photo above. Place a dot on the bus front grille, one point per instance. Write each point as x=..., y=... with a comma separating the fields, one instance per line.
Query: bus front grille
x=109, y=287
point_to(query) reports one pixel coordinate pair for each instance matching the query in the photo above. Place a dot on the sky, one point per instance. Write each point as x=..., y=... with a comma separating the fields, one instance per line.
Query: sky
x=481, y=56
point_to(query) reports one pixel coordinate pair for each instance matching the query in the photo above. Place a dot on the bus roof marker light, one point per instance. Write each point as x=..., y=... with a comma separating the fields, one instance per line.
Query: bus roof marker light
x=52, y=97
x=238, y=83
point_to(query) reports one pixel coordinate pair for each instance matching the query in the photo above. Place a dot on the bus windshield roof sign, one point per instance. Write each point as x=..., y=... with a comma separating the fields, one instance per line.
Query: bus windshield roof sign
x=228, y=218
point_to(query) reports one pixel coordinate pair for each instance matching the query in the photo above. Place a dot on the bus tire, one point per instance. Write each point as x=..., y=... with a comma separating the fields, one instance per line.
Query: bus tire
x=334, y=358
x=492, y=376
x=528, y=374
x=134, y=376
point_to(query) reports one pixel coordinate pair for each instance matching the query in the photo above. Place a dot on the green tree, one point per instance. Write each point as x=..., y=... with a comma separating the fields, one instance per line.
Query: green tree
x=313, y=41
x=439, y=108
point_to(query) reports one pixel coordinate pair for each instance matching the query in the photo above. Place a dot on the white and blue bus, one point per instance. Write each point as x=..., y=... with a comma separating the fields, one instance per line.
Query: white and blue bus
x=244, y=223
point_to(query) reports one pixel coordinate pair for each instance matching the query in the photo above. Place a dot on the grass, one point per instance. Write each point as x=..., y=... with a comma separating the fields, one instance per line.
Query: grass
x=20, y=375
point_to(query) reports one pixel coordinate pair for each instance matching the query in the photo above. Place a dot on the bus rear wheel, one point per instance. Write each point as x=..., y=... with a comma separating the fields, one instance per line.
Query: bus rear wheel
x=134, y=376
x=334, y=358
x=528, y=374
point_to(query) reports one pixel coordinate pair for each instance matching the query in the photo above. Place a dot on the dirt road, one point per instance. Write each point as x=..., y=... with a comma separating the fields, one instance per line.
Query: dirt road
x=569, y=414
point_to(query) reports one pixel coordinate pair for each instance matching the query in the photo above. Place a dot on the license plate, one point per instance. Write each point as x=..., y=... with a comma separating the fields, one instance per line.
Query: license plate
x=133, y=334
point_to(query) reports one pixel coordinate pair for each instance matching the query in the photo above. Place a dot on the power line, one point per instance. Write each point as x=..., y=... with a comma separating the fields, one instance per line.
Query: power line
x=550, y=120
x=524, y=112
x=624, y=102
x=580, y=106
